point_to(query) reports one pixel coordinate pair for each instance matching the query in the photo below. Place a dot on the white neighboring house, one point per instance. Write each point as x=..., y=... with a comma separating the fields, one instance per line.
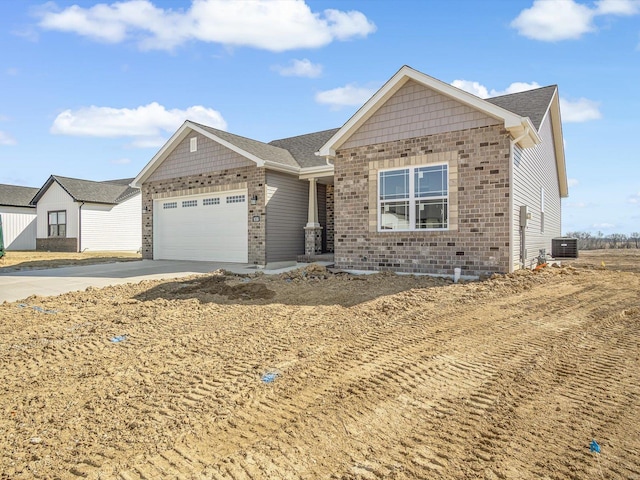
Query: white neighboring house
x=75, y=215
x=18, y=217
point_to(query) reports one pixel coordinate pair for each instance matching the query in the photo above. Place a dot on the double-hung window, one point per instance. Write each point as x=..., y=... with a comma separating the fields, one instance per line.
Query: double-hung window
x=414, y=198
x=58, y=224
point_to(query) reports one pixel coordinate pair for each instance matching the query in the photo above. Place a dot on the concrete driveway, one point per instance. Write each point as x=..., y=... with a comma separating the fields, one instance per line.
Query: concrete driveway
x=18, y=285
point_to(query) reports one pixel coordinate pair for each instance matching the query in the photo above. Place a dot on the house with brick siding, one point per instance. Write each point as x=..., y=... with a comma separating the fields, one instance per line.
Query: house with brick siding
x=424, y=178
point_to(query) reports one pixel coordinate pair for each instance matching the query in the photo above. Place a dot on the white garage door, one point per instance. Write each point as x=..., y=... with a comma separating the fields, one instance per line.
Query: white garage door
x=211, y=227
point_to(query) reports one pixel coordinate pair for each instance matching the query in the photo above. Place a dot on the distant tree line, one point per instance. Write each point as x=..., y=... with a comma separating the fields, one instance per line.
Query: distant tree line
x=591, y=241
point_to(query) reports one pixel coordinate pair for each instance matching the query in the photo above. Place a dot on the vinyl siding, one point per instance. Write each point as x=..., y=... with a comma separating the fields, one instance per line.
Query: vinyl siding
x=533, y=169
x=18, y=228
x=416, y=111
x=112, y=227
x=209, y=157
x=56, y=198
x=286, y=207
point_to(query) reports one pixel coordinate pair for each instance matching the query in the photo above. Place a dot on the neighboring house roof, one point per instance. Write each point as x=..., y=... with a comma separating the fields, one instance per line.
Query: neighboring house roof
x=16, y=196
x=304, y=147
x=532, y=103
x=110, y=192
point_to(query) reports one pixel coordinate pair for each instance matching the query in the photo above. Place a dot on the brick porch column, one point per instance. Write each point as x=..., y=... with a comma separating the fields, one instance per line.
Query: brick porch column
x=313, y=230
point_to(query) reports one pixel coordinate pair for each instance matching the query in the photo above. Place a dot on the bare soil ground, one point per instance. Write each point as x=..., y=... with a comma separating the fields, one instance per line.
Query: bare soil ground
x=314, y=375
x=13, y=261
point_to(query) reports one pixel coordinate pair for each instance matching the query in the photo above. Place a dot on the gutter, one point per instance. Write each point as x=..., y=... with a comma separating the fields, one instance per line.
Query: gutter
x=80, y=227
x=511, y=215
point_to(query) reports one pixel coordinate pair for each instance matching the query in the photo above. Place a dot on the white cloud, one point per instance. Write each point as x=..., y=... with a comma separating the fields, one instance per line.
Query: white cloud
x=475, y=88
x=572, y=182
x=6, y=139
x=300, y=68
x=121, y=161
x=273, y=25
x=618, y=7
x=634, y=199
x=12, y=71
x=603, y=226
x=147, y=124
x=553, y=20
x=581, y=110
x=576, y=204
x=347, y=96
x=481, y=91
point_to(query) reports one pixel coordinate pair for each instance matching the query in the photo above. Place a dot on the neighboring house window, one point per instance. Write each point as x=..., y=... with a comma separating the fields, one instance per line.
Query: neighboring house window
x=541, y=209
x=211, y=201
x=58, y=224
x=170, y=205
x=414, y=198
x=193, y=144
x=189, y=203
x=235, y=199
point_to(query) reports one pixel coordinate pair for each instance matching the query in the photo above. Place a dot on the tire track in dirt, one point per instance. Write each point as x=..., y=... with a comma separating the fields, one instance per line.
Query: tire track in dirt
x=383, y=353
x=376, y=352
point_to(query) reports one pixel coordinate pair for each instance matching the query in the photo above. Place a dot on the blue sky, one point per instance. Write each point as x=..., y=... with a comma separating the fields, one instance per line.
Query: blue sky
x=92, y=90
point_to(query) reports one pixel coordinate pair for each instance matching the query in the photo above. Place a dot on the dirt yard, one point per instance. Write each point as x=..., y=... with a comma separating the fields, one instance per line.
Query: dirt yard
x=312, y=375
x=13, y=261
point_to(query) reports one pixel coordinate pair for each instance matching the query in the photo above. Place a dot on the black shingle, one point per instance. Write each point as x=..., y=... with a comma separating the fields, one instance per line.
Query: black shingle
x=15, y=196
x=532, y=103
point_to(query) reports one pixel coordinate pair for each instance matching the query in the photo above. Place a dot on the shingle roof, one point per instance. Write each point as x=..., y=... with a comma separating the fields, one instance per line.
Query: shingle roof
x=108, y=192
x=303, y=147
x=532, y=103
x=15, y=196
x=261, y=150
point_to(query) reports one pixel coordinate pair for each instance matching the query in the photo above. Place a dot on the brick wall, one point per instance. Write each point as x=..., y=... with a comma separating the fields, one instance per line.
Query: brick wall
x=57, y=244
x=330, y=230
x=477, y=240
x=249, y=177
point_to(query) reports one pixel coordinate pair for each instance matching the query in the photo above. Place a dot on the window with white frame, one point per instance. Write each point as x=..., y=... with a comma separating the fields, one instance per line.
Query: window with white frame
x=414, y=198
x=193, y=144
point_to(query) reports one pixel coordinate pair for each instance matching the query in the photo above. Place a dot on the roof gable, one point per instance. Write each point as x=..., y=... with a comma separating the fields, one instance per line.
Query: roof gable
x=262, y=154
x=520, y=127
x=16, y=196
x=108, y=192
x=416, y=110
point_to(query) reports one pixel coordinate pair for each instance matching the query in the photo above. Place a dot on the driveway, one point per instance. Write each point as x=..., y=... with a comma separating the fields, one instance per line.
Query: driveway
x=18, y=285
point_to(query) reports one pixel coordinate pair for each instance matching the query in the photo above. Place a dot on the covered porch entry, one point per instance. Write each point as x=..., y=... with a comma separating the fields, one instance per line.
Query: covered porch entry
x=319, y=231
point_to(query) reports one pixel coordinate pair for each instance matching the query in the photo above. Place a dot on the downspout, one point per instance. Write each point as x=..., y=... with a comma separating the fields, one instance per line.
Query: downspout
x=80, y=227
x=511, y=189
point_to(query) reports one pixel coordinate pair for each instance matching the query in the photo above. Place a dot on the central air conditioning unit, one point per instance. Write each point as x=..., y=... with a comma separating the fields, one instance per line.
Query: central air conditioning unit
x=564, y=247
